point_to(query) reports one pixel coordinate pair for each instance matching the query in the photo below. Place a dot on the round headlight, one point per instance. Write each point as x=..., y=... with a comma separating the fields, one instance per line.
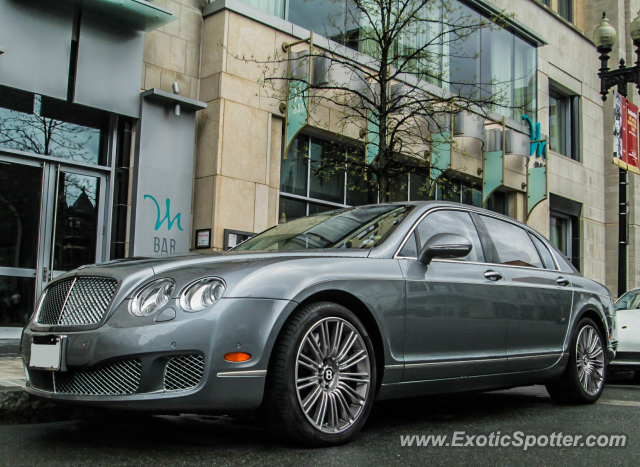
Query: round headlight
x=201, y=294
x=152, y=297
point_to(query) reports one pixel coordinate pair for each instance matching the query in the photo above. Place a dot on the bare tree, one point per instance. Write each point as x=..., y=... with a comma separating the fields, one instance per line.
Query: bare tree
x=397, y=90
x=42, y=135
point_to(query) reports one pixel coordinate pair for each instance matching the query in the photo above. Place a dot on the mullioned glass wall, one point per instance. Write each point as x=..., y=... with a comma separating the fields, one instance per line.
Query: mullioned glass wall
x=478, y=62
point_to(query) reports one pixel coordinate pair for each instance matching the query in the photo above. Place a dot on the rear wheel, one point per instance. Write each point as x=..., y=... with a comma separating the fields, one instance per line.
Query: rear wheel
x=321, y=381
x=583, y=379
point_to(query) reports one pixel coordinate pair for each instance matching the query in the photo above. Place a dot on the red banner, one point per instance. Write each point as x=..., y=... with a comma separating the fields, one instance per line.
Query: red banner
x=630, y=132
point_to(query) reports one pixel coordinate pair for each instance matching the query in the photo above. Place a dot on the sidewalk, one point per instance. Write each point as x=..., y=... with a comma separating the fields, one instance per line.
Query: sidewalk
x=11, y=373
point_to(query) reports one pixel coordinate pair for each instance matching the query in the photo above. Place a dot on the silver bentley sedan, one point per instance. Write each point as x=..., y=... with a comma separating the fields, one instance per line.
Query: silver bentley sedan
x=306, y=324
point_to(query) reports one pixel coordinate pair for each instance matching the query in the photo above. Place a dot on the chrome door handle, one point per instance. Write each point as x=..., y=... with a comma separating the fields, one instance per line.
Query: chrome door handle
x=493, y=275
x=562, y=281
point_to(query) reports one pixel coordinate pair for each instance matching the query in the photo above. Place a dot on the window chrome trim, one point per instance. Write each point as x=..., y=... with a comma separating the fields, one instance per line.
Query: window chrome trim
x=495, y=216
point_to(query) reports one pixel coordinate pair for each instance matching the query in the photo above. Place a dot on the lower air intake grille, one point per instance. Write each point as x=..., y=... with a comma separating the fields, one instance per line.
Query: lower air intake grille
x=183, y=372
x=115, y=379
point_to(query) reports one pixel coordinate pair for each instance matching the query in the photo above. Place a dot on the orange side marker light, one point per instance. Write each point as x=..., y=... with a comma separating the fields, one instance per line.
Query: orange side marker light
x=237, y=357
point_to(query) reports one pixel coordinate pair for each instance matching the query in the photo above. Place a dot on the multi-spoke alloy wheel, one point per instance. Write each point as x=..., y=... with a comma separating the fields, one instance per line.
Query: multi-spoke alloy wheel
x=332, y=375
x=321, y=380
x=590, y=360
x=583, y=378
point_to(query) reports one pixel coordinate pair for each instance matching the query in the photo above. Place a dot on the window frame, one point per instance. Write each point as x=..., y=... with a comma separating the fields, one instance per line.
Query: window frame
x=571, y=126
x=488, y=246
x=410, y=234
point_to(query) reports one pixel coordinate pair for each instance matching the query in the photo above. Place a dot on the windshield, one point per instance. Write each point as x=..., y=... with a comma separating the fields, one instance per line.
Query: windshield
x=362, y=227
x=629, y=301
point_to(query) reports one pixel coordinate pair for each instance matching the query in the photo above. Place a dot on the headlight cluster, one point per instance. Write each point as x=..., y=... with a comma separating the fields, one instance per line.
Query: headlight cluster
x=201, y=294
x=152, y=297
x=197, y=296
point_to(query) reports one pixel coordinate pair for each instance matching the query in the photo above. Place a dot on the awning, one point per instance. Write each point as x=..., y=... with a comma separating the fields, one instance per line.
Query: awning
x=141, y=15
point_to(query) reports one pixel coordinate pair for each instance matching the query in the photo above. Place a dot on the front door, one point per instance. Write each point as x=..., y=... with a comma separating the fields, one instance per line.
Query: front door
x=456, y=322
x=21, y=195
x=51, y=221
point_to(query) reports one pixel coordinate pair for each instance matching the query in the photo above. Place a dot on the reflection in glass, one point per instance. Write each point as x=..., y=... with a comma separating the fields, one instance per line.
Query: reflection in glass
x=20, y=194
x=291, y=209
x=364, y=227
x=360, y=190
x=274, y=7
x=524, y=75
x=421, y=188
x=324, y=17
x=76, y=221
x=398, y=188
x=558, y=111
x=315, y=208
x=453, y=222
x=16, y=300
x=327, y=173
x=471, y=196
x=293, y=169
x=32, y=123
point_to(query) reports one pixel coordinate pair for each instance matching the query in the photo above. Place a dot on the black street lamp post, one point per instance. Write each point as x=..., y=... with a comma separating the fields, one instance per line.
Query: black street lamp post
x=605, y=38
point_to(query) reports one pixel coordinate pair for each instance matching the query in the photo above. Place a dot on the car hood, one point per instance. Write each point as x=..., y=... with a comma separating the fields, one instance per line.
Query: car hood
x=233, y=266
x=160, y=264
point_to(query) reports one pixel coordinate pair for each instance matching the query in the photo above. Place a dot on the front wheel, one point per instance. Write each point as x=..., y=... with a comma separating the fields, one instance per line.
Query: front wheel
x=322, y=377
x=583, y=379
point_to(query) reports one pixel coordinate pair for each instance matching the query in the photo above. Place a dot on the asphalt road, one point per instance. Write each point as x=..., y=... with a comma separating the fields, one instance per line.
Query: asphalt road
x=123, y=440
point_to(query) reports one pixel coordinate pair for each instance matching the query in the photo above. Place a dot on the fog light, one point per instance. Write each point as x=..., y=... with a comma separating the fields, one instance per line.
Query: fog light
x=237, y=357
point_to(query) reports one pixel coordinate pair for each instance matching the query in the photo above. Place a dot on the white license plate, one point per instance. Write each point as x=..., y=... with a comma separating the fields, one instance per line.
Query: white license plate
x=46, y=356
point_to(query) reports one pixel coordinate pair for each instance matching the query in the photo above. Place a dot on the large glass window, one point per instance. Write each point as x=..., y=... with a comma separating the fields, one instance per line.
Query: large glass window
x=16, y=300
x=513, y=244
x=455, y=222
x=293, y=168
x=560, y=233
x=501, y=61
x=563, y=124
x=274, y=7
x=565, y=9
x=20, y=198
x=76, y=221
x=309, y=188
x=42, y=125
x=327, y=171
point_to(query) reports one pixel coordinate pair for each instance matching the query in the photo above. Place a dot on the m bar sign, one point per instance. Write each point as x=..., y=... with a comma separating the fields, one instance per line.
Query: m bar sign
x=625, y=133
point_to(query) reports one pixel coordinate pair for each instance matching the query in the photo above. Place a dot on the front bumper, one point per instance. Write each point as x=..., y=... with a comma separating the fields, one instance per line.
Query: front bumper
x=247, y=325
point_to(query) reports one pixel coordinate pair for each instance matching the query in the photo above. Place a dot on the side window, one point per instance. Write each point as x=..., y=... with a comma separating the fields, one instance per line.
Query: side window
x=409, y=250
x=512, y=243
x=547, y=259
x=455, y=222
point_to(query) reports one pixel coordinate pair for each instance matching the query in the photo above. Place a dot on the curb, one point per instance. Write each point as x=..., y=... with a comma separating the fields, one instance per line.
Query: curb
x=17, y=402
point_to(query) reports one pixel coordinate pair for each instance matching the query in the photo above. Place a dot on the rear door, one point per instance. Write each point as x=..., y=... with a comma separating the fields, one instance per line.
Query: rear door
x=540, y=296
x=456, y=321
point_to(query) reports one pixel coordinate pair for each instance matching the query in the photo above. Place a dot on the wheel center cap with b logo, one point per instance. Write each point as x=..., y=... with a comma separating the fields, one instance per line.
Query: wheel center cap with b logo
x=328, y=374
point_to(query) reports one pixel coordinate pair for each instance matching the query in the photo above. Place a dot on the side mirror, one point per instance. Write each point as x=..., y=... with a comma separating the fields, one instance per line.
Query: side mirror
x=445, y=245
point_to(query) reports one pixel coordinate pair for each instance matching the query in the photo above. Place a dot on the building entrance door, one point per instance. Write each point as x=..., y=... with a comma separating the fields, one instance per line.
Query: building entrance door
x=51, y=221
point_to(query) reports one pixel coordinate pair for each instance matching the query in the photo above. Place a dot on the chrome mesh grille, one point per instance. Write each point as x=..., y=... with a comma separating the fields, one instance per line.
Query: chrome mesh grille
x=115, y=379
x=83, y=300
x=184, y=372
x=53, y=301
x=42, y=380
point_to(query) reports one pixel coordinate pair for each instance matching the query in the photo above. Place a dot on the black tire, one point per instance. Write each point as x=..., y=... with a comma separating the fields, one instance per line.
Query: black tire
x=569, y=389
x=282, y=411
